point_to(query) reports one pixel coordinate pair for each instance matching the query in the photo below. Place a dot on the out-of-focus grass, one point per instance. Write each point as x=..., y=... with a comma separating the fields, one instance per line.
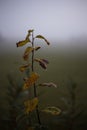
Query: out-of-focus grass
x=62, y=65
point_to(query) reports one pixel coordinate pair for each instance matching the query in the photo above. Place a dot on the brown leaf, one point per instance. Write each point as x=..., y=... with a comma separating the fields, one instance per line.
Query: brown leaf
x=31, y=80
x=42, y=62
x=41, y=37
x=37, y=48
x=27, y=52
x=29, y=34
x=43, y=65
x=50, y=84
x=24, y=67
x=45, y=61
x=22, y=43
x=31, y=30
x=30, y=105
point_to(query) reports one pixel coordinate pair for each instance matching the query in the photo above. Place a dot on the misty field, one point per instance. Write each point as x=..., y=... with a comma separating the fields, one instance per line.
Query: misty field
x=64, y=67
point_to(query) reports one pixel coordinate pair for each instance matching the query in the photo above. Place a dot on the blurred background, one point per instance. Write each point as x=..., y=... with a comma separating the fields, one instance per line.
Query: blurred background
x=64, y=24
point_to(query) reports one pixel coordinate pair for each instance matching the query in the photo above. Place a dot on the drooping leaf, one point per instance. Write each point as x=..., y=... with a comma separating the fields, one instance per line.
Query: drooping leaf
x=45, y=61
x=24, y=67
x=31, y=30
x=30, y=105
x=29, y=34
x=31, y=80
x=37, y=48
x=22, y=43
x=52, y=110
x=27, y=52
x=43, y=65
x=42, y=62
x=50, y=84
x=41, y=37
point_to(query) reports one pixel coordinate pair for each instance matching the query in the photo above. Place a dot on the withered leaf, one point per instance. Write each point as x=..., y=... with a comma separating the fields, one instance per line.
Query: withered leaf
x=50, y=84
x=41, y=37
x=46, y=61
x=22, y=43
x=43, y=65
x=29, y=34
x=31, y=30
x=42, y=62
x=31, y=80
x=52, y=110
x=24, y=67
x=37, y=48
x=30, y=105
x=27, y=52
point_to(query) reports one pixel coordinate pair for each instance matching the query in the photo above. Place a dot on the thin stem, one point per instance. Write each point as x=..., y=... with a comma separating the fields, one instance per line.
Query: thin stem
x=35, y=92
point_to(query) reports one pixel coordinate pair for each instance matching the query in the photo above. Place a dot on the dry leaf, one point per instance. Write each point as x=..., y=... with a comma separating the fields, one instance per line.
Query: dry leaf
x=31, y=80
x=37, y=48
x=27, y=52
x=24, y=67
x=22, y=43
x=50, y=84
x=52, y=110
x=41, y=37
x=29, y=34
x=30, y=105
x=42, y=62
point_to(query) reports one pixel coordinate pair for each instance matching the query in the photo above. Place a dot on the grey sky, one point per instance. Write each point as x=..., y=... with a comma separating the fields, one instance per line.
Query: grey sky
x=56, y=19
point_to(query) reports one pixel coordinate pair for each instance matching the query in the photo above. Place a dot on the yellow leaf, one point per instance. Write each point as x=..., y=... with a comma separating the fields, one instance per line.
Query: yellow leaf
x=31, y=80
x=29, y=33
x=22, y=43
x=41, y=37
x=27, y=52
x=52, y=110
x=30, y=105
x=24, y=67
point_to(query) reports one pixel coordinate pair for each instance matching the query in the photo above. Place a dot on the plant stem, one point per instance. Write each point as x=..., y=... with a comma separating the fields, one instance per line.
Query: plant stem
x=35, y=91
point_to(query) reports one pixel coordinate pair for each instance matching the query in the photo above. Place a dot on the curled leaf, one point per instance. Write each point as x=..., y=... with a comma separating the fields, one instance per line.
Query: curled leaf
x=31, y=30
x=41, y=37
x=27, y=52
x=31, y=80
x=22, y=43
x=24, y=67
x=42, y=62
x=52, y=110
x=50, y=84
x=29, y=33
x=45, y=61
x=30, y=105
x=37, y=48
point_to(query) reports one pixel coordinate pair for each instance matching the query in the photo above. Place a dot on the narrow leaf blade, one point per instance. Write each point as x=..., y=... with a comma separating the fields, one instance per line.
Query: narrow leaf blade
x=42, y=37
x=22, y=43
x=27, y=52
x=24, y=67
x=50, y=84
x=52, y=110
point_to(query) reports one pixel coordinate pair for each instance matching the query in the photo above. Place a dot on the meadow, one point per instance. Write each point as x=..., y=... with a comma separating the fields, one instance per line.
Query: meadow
x=66, y=66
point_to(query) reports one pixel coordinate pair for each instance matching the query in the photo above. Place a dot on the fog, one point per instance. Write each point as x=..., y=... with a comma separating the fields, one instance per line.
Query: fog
x=62, y=22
